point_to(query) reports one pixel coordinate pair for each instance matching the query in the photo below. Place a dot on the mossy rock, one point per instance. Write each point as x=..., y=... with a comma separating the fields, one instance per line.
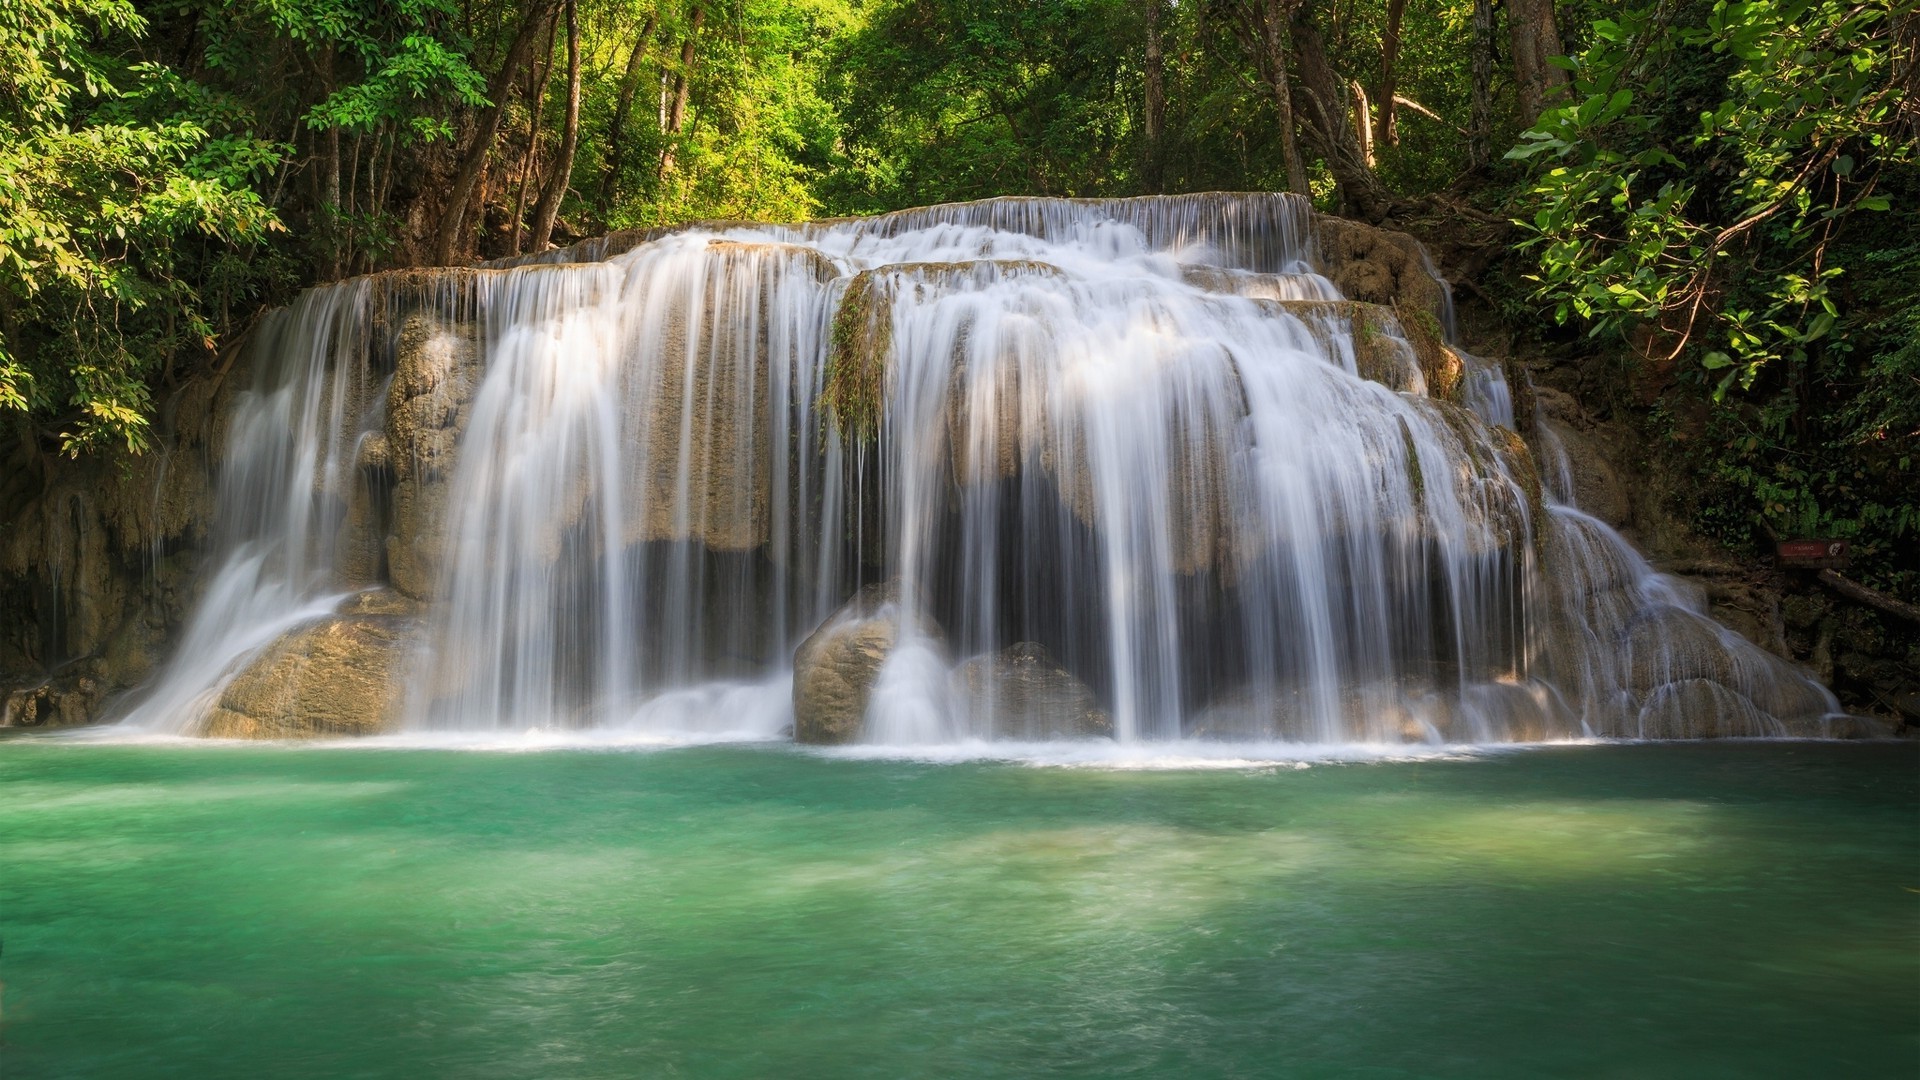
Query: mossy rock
x=853, y=392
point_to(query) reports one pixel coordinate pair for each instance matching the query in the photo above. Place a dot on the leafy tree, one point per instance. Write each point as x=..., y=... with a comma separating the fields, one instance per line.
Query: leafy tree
x=1718, y=231
x=110, y=173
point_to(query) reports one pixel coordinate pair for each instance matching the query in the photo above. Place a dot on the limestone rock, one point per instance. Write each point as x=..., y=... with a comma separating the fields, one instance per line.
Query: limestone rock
x=700, y=468
x=1702, y=709
x=338, y=676
x=1021, y=692
x=1400, y=353
x=834, y=668
x=65, y=701
x=1596, y=487
x=99, y=559
x=436, y=373
x=1379, y=266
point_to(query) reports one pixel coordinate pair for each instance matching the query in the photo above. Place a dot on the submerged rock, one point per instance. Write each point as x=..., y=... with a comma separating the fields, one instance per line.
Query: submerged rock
x=1021, y=692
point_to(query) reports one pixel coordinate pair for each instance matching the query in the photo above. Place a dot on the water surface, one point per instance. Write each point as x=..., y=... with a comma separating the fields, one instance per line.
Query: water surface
x=748, y=911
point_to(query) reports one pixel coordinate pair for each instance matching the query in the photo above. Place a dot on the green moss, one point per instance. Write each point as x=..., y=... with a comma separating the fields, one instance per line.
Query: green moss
x=852, y=394
x=1526, y=472
x=1415, y=477
x=1441, y=367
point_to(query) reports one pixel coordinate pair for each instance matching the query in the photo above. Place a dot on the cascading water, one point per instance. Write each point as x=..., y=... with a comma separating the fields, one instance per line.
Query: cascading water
x=282, y=495
x=1134, y=463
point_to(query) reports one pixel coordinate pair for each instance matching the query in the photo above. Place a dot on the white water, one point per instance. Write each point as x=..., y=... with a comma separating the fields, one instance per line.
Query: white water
x=1090, y=438
x=285, y=475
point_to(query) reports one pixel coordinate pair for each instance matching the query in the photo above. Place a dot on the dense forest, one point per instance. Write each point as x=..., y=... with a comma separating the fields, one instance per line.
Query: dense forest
x=1713, y=201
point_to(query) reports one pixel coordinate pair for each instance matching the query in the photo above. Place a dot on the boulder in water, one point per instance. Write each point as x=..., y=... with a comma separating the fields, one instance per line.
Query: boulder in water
x=1022, y=692
x=338, y=676
x=51, y=703
x=834, y=669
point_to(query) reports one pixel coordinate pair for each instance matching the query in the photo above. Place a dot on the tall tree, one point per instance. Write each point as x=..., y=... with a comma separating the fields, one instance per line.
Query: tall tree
x=1480, y=142
x=1260, y=27
x=1155, y=119
x=1320, y=100
x=538, y=75
x=1386, y=130
x=486, y=129
x=561, y=177
x=622, y=110
x=1536, y=40
x=682, y=85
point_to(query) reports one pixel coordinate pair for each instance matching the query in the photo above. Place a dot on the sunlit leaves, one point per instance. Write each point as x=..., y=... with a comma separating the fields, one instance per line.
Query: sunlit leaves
x=101, y=179
x=1621, y=233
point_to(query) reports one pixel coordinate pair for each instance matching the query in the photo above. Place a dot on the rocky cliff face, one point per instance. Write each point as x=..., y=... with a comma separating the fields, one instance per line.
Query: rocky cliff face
x=102, y=560
x=1595, y=453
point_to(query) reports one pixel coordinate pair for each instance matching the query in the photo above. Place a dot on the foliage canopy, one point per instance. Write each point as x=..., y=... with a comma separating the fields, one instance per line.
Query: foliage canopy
x=1722, y=190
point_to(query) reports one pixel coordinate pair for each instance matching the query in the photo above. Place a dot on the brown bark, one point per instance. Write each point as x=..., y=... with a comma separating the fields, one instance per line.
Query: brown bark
x=1270, y=20
x=1362, y=123
x=1319, y=99
x=682, y=83
x=1481, y=145
x=561, y=178
x=486, y=127
x=623, y=107
x=1260, y=29
x=1535, y=39
x=1386, y=130
x=1156, y=104
x=1853, y=590
x=538, y=75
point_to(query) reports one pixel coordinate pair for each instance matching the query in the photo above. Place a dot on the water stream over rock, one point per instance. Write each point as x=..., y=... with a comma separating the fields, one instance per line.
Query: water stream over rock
x=1195, y=466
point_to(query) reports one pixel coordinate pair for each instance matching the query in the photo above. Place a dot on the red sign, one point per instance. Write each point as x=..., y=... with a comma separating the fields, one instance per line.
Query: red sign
x=1811, y=553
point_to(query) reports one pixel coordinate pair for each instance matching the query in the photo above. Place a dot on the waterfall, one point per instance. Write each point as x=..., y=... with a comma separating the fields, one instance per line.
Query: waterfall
x=1019, y=468
x=282, y=495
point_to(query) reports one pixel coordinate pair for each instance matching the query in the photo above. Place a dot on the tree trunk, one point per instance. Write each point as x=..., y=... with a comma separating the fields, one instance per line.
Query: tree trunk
x=1386, y=130
x=1362, y=123
x=1535, y=39
x=617, y=131
x=539, y=73
x=677, y=112
x=1271, y=16
x=1320, y=100
x=473, y=161
x=1156, y=104
x=1480, y=147
x=562, y=176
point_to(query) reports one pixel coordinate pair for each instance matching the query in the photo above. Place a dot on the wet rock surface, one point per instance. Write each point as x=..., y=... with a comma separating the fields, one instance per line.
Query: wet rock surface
x=835, y=668
x=101, y=559
x=338, y=676
x=1378, y=266
x=1022, y=692
x=437, y=367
